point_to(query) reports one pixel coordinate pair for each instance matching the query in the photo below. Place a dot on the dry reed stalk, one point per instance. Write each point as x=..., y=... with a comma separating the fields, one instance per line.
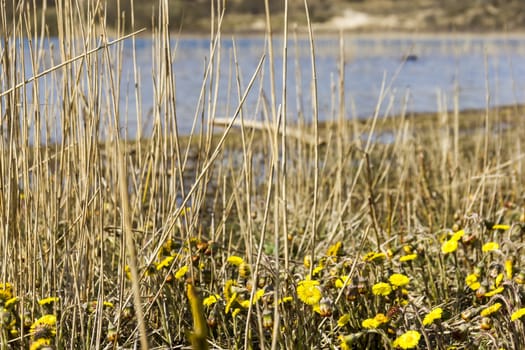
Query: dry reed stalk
x=125, y=204
x=131, y=250
x=315, y=122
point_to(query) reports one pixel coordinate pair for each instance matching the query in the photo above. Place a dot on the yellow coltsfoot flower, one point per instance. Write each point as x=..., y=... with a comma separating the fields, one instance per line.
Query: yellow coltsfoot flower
x=494, y=292
x=235, y=260
x=5, y=292
x=49, y=300
x=41, y=344
x=212, y=299
x=407, y=340
x=489, y=246
x=472, y=281
x=399, y=280
x=432, y=316
x=308, y=292
x=490, y=310
x=181, y=272
x=44, y=327
x=408, y=257
x=343, y=320
x=165, y=263
x=370, y=323
x=516, y=315
x=374, y=256
x=381, y=288
x=449, y=246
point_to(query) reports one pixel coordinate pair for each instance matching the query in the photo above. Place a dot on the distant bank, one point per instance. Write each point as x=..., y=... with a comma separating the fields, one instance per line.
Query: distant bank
x=247, y=16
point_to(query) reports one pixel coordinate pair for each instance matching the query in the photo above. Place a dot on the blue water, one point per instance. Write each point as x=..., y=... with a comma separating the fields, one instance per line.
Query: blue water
x=473, y=68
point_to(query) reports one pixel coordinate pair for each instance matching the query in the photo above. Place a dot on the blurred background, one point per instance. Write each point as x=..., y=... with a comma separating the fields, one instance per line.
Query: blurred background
x=192, y=16
x=461, y=54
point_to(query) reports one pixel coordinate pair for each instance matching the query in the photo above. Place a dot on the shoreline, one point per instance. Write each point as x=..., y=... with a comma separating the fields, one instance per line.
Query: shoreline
x=352, y=33
x=468, y=119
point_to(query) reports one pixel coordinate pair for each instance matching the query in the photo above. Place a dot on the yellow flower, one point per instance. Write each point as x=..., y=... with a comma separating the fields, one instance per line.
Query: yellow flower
x=44, y=327
x=501, y=227
x=11, y=301
x=495, y=291
x=345, y=341
x=508, y=268
x=457, y=235
x=244, y=270
x=40, y=343
x=229, y=288
x=108, y=304
x=409, y=257
x=449, y=246
x=343, y=320
x=212, y=299
x=408, y=340
x=258, y=295
x=317, y=270
x=372, y=256
x=489, y=246
x=472, y=281
x=498, y=280
x=334, y=249
x=236, y=312
x=340, y=282
x=432, y=316
x=308, y=292
x=370, y=323
x=6, y=286
x=516, y=315
x=490, y=310
x=245, y=303
x=48, y=300
x=381, y=318
x=5, y=292
x=317, y=308
x=381, y=288
x=475, y=286
x=285, y=300
x=399, y=280
x=229, y=303
x=167, y=248
x=181, y=272
x=165, y=262
x=235, y=260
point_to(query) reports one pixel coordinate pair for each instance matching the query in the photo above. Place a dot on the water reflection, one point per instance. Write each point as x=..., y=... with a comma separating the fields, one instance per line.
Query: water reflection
x=476, y=70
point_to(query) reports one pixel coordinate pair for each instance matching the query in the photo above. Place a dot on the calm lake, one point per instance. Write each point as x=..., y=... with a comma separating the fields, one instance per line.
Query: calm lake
x=469, y=67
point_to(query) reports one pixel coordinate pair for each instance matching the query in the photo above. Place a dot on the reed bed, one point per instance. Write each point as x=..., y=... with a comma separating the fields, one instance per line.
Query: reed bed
x=286, y=233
